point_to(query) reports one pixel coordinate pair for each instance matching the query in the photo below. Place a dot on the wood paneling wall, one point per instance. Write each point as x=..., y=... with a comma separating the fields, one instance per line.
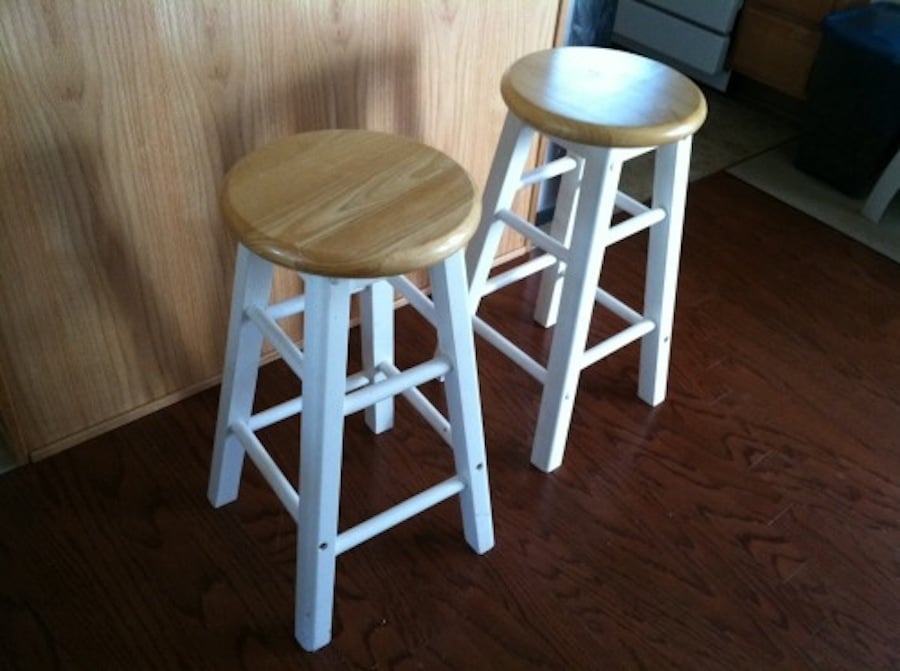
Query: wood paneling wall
x=118, y=120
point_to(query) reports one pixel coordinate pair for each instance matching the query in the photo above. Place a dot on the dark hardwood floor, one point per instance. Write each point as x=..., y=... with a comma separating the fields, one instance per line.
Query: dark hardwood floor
x=752, y=521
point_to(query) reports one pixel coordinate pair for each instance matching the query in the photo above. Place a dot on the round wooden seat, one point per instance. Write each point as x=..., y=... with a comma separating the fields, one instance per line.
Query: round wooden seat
x=350, y=203
x=603, y=97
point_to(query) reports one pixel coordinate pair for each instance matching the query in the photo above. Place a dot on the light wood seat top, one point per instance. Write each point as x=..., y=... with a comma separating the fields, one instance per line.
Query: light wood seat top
x=603, y=97
x=350, y=203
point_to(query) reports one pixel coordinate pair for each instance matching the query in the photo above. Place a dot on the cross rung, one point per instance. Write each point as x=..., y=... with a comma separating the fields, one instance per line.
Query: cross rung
x=635, y=225
x=399, y=513
x=518, y=272
x=628, y=204
x=617, y=307
x=533, y=233
x=263, y=461
x=416, y=297
x=422, y=405
x=547, y=171
x=614, y=343
x=395, y=384
x=510, y=349
x=287, y=308
x=279, y=340
x=294, y=406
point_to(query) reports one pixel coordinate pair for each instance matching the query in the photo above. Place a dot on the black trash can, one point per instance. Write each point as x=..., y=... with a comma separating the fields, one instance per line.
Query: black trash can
x=851, y=125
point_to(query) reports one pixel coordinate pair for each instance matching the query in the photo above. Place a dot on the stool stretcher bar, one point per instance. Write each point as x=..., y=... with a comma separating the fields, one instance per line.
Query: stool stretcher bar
x=294, y=406
x=547, y=171
x=270, y=471
x=416, y=297
x=510, y=349
x=287, y=308
x=616, y=342
x=519, y=272
x=630, y=205
x=634, y=225
x=401, y=512
x=297, y=304
x=533, y=233
x=279, y=340
x=394, y=384
x=617, y=307
x=423, y=406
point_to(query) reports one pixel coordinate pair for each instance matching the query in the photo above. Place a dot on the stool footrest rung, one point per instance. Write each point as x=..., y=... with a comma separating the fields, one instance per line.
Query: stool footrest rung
x=546, y=242
x=277, y=338
x=547, y=171
x=270, y=471
x=635, y=224
x=416, y=297
x=287, y=308
x=362, y=393
x=294, y=406
x=630, y=205
x=518, y=272
x=399, y=513
x=510, y=349
x=616, y=342
x=422, y=405
x=395, y=384
x=617, y=307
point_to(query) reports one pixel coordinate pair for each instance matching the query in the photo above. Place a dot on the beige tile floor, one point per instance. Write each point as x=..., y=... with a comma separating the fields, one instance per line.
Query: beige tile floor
x=773, y=172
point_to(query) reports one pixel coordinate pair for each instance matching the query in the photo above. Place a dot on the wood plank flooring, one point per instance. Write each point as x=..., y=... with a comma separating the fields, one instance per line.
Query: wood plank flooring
x=752, y=521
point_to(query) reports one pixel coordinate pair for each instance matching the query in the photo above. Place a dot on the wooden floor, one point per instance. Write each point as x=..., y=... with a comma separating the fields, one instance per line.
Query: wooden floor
x=752, y=521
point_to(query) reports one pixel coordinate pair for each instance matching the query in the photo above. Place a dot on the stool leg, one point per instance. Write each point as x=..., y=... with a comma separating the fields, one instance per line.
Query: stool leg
x=592, y=219
x=252, y=283
x=884, y=190
x=547, y=304
x=377, y=327
x=663, y=253
x=455, y=341
x=321, y=442
x=504, y=180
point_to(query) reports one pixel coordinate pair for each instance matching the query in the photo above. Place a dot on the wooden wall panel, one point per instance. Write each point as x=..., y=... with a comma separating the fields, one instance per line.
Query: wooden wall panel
x=117, y=122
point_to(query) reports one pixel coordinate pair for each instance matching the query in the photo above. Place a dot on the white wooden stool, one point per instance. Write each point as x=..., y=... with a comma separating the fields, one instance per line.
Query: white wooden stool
x=603, y=107
x=347, y=209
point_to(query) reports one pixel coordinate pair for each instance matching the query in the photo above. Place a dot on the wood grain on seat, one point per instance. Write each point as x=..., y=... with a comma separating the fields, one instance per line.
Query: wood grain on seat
x=350, y=203
x=603, y=97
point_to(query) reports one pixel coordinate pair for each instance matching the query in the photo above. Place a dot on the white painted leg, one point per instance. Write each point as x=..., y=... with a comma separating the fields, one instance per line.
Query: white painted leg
x=547, y=304
x=322, y=430
x=503, y=182
x=377, y=326
x=663, y=254
x=887, y=186
x=592, y=219
x=463, y=399
x=252, y=283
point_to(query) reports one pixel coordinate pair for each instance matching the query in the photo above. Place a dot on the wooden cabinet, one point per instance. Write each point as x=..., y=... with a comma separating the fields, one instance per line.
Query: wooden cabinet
x=117, y=123
x=776, y=41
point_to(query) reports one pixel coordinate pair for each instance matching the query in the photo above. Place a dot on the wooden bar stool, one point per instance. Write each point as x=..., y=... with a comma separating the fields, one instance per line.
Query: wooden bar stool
x=351, y=211
x=603, y=107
